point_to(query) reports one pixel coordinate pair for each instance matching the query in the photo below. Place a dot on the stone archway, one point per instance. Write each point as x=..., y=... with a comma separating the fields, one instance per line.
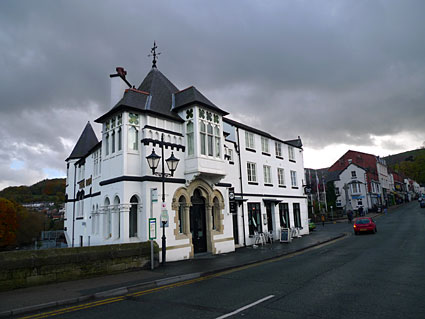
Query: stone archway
x=212, y=204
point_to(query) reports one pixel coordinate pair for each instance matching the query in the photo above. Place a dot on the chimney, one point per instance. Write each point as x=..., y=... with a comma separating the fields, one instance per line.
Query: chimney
x=118, y=85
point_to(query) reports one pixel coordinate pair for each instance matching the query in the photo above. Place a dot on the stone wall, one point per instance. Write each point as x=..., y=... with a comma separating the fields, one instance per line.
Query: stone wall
x=29, y=268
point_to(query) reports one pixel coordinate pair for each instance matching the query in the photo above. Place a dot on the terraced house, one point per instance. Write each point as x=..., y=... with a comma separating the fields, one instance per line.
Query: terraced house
x=226, y=182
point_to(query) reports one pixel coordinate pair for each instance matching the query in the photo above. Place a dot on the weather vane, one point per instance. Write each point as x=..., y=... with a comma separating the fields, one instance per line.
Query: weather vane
x=154, y=54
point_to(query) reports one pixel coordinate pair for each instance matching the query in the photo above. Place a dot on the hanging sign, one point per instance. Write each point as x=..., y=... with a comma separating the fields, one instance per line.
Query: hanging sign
x=164, y=215
x=232, y=201
x=152, y=228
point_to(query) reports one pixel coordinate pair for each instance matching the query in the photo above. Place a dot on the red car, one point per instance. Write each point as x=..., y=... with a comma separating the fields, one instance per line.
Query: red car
x=364, y=224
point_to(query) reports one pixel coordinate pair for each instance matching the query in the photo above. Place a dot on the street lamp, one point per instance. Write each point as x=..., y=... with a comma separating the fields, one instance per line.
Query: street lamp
x=172, y=162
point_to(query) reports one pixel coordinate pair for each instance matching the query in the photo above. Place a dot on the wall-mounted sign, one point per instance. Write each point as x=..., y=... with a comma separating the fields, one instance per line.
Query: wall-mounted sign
x=232, y=201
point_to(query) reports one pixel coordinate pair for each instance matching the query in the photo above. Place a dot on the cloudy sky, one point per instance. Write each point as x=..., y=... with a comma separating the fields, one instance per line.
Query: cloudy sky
x=340, y=74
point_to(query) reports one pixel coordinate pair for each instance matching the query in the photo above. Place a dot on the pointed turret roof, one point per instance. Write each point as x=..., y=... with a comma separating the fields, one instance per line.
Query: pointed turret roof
x=159, y=96
x=154, y=95
x=85, y=143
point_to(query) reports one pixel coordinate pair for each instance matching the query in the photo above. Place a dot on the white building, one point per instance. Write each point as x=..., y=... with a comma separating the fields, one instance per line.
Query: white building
x=351, y=183
x=111, y=190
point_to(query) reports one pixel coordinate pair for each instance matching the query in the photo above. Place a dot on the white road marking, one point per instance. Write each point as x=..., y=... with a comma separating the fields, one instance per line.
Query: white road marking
x=245, y=307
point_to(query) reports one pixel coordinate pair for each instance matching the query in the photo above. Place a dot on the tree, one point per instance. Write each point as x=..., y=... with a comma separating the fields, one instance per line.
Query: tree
x=8, y=223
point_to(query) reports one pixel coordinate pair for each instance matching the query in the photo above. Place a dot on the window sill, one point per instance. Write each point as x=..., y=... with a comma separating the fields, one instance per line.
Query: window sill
x=295, y=187
x=268, y=185
x=293, y=161
x=279, y=157
x=282, y=186
x=232, y=163
x=267, y=154
x=252, y=183
x=79, y=218
x=251, y=150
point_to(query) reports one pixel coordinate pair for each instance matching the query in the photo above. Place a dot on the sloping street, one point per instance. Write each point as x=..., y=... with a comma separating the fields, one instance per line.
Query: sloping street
x=371, y=275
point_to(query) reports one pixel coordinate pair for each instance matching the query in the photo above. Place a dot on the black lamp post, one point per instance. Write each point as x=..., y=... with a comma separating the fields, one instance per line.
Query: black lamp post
x=172, y=162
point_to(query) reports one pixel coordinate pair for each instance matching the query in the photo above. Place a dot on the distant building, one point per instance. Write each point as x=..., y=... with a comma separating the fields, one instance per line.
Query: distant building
x=232, y=180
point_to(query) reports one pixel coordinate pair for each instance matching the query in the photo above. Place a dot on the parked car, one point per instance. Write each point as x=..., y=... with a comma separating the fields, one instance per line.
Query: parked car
x=311, y=225
x=364, y=224
x=422, y=203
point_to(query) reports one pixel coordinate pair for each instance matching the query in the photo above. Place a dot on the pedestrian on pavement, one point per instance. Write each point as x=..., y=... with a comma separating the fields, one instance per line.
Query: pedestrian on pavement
x=323, y=219
x=361, y=211
x=385, y=210
x=350, y=216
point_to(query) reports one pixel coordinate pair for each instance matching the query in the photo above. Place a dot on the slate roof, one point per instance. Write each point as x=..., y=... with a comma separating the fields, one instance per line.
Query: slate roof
x=296, y=143
x=85, y=143
x=191, y=95
x=259, y=132
x=154, y=95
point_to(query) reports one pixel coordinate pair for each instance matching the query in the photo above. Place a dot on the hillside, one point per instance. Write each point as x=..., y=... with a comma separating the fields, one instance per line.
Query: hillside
x=48, y=190
x=410, y=163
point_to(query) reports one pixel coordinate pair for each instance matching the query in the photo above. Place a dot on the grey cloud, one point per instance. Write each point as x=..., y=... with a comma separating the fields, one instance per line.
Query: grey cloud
x=330, y=71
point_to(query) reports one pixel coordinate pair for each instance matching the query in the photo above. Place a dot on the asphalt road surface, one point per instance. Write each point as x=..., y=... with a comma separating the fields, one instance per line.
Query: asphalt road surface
x=372, y=276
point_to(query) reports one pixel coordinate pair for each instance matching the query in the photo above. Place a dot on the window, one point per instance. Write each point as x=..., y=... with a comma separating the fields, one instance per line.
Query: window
x=182, y=205
x=338, y=203
x=267, y=174
x=297, y=215
x=337, y=191
x=190, y=140
x=254, y=218
x=252, y=172
x=106, y=144
x=249, y=140
x=264, y=144
x=353, y=174
x=210, y=140
x=133, y=216
x=281, y=176
x=133, y=134
x=215, y=214
x=203, y=135
x=229, y=154
x=217, y=141
x=119, y=139
x=284, y=215
x=291, y=153
x=294, y=178
x=278, y=147
x=113, y=142
x=355, y=188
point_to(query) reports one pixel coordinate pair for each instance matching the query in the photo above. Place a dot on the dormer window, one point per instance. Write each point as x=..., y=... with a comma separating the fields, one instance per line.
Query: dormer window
x=209, y=135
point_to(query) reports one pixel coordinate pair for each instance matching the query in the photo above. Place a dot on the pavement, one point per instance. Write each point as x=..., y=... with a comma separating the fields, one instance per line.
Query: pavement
x=25, y=300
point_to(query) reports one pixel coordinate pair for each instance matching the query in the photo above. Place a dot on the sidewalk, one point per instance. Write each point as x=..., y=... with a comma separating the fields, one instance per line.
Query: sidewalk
x=30, y=299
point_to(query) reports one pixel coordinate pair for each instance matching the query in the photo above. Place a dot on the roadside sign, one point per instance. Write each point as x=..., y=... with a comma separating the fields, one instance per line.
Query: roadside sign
x=154, y=195
x=164, y=217
x=152, y=228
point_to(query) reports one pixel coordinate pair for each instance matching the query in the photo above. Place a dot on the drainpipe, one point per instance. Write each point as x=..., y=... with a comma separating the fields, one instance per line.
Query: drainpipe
x=73, y=205
x=238, y=150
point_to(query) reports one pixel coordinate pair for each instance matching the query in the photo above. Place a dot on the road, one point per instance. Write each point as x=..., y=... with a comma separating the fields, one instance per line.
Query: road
x=373, y=276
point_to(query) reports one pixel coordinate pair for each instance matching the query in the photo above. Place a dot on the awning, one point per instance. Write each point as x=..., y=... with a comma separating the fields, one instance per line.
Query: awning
x=240, y=199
